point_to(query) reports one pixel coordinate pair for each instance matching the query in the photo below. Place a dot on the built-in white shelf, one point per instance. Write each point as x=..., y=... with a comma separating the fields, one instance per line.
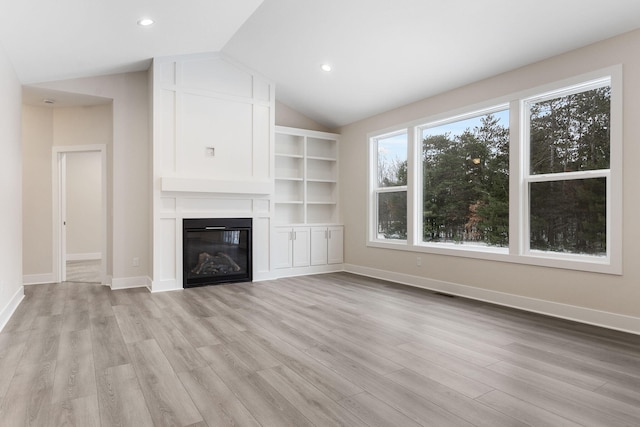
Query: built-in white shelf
x=306, y=171
x=289, y=179
x=327, y=181
x=292, y=156
x=326, y=159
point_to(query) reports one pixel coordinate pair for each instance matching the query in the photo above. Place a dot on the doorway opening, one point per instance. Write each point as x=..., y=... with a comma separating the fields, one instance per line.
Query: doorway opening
x=80, y=213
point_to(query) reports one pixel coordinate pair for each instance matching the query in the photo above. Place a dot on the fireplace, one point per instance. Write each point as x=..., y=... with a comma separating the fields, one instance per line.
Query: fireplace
x=216, y=250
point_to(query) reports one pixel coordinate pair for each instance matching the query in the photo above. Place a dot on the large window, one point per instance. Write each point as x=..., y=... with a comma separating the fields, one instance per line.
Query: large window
x=534, y=178
x=390, y=187
x=465, y=180
x=568, y=169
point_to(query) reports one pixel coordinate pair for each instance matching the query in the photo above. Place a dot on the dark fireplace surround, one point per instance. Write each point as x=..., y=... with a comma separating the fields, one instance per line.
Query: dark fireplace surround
x=216, y=250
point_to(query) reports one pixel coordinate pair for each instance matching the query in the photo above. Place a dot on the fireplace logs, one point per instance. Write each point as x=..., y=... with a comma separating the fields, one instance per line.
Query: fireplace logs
x=215, y=264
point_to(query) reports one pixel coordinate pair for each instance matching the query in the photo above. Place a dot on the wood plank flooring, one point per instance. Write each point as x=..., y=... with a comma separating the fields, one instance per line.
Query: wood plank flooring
x=85, y=271
x=325, y=350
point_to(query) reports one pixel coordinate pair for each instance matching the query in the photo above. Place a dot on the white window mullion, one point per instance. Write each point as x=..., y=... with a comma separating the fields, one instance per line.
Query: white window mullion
x=372, y=214
x=412, y=187
x=518, y=205
x=525, y=170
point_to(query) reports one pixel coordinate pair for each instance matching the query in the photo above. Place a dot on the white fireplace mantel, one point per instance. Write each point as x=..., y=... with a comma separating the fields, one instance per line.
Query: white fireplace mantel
x=258, y=187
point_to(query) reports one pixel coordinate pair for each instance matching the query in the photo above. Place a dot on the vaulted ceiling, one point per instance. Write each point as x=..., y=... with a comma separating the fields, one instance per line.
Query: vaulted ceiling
x=383, y=53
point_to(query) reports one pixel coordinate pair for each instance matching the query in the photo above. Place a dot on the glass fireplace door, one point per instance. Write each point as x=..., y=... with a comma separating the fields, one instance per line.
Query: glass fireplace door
x=216, y=250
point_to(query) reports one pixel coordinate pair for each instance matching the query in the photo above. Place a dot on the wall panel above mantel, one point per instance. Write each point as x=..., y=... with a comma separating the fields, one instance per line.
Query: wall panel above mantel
x=213, y=119
x=225, y=127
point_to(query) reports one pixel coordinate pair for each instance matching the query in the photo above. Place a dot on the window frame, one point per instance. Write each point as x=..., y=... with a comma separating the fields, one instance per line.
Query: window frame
x=493, y=108
x=612, y=175
x=518, y=250
x=375, y=189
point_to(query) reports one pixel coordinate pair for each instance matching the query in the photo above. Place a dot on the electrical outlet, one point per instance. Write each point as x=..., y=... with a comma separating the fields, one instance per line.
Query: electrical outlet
x=418, y=261
x=136, y=262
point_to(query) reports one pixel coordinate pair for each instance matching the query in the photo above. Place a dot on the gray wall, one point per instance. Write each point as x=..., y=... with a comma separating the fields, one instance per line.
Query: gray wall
x=42, y=129
x=10, y=190
x=129, y=186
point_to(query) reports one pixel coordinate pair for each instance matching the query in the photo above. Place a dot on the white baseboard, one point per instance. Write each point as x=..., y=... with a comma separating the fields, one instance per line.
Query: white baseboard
x=305, y=271
x=37, y=279
x=262, y=276
x=130, y=282
x=589, y=316
x=90, y=256
x=10, y=308
x=164, y=286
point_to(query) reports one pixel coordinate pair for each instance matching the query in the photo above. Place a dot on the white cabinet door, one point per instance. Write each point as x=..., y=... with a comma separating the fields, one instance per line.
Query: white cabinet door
x=301, y=246
x=335, y=248
x=282, y=254
x=319, y=245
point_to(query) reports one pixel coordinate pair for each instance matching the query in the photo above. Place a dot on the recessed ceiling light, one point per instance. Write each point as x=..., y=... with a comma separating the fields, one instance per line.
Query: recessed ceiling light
x=326, y=67
x=145, y=22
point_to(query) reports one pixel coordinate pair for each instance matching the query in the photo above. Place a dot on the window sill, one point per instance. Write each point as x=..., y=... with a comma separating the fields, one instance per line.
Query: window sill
x=541, y=259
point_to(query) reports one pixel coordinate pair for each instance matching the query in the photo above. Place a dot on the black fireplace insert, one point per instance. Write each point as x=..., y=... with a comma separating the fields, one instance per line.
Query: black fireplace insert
x=216, y=250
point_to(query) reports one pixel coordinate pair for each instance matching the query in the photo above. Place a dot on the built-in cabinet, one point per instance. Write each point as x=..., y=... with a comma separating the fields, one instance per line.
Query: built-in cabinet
x=307, y=230
x=304, y=246
x=292, y=245
x=327, y=245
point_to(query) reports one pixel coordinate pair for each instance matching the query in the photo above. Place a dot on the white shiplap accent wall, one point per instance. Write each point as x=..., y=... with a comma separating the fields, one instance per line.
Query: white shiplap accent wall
x=213, y=124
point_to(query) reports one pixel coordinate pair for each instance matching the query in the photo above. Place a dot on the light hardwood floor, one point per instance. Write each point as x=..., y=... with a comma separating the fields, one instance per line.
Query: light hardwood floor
x=324, y=350
x=87, y=271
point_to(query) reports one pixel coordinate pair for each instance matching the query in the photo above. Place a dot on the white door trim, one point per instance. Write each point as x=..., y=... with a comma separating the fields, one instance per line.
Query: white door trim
x=58, y=200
